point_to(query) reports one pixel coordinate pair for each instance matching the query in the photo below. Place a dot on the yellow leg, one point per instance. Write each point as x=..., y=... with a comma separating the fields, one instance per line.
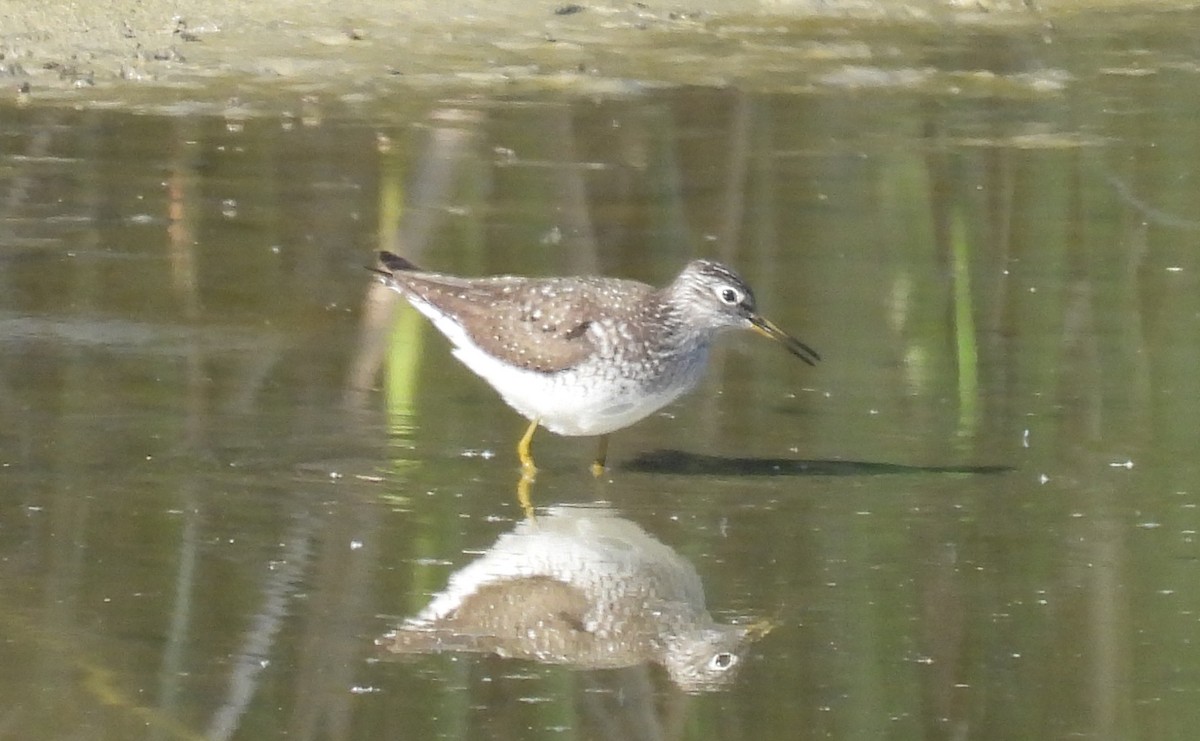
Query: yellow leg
x=601, y=457
x=524, y=452
x=523, y=497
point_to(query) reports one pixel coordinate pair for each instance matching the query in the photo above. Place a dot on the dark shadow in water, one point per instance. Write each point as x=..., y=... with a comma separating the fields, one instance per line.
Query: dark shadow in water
x=699, y=464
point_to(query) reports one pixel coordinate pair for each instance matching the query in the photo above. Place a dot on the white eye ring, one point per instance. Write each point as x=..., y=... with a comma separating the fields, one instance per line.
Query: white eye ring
x=722, y=661
x=728, y=295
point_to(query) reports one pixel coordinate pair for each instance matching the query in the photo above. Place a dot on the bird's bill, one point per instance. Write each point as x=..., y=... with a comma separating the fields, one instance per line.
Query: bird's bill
x=768, y=329
x=758, y=630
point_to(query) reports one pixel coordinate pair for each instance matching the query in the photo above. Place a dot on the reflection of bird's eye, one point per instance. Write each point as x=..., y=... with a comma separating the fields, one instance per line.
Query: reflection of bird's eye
x=722, y=661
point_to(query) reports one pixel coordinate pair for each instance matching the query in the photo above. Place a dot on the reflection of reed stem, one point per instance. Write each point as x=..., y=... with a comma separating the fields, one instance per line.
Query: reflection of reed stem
x=95, y=678
x=964, y=328
x=403, y=360
x=404, y=345
x=403, y=354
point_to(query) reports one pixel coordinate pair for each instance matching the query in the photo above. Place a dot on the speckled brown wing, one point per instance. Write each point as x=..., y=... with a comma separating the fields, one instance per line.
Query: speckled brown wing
x=511, y=608
x=512, y=617
x=537, y=324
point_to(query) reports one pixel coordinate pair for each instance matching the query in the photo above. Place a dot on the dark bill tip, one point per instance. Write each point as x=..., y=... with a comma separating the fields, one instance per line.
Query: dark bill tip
x=793, y=345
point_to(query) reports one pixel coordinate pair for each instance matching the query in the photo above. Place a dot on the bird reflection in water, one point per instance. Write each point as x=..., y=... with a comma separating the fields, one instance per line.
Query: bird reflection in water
x=582, y=587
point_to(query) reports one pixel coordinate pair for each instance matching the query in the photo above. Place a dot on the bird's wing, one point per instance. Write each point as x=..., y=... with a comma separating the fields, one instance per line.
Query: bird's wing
x=535, y=617
x=534, y=324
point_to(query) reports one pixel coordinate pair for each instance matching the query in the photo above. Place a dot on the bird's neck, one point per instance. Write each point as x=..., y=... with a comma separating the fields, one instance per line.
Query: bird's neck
x=677, y=332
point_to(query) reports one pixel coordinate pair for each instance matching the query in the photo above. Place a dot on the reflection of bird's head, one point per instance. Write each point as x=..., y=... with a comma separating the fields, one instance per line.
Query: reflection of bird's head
x=706, y=658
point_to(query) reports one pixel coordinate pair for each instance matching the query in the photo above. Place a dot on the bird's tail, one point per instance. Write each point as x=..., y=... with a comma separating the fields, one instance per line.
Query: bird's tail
x=394, y=262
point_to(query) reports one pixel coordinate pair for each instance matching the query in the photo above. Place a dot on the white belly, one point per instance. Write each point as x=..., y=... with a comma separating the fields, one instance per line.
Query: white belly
x=567, y=404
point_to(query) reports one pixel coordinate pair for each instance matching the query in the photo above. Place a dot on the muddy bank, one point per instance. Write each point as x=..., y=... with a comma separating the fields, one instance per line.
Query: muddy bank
x=171, y=51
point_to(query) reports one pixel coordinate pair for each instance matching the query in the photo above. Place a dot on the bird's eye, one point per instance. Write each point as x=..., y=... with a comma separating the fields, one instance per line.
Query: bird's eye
x=729, y=296
x=722, y=661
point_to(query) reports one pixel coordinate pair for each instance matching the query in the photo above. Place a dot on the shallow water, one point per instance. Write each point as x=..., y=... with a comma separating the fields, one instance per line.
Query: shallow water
x=230, y=462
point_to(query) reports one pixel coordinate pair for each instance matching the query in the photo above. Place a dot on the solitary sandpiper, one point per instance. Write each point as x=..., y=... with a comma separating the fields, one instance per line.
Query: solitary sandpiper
x=585, y=355
x=584, y=587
